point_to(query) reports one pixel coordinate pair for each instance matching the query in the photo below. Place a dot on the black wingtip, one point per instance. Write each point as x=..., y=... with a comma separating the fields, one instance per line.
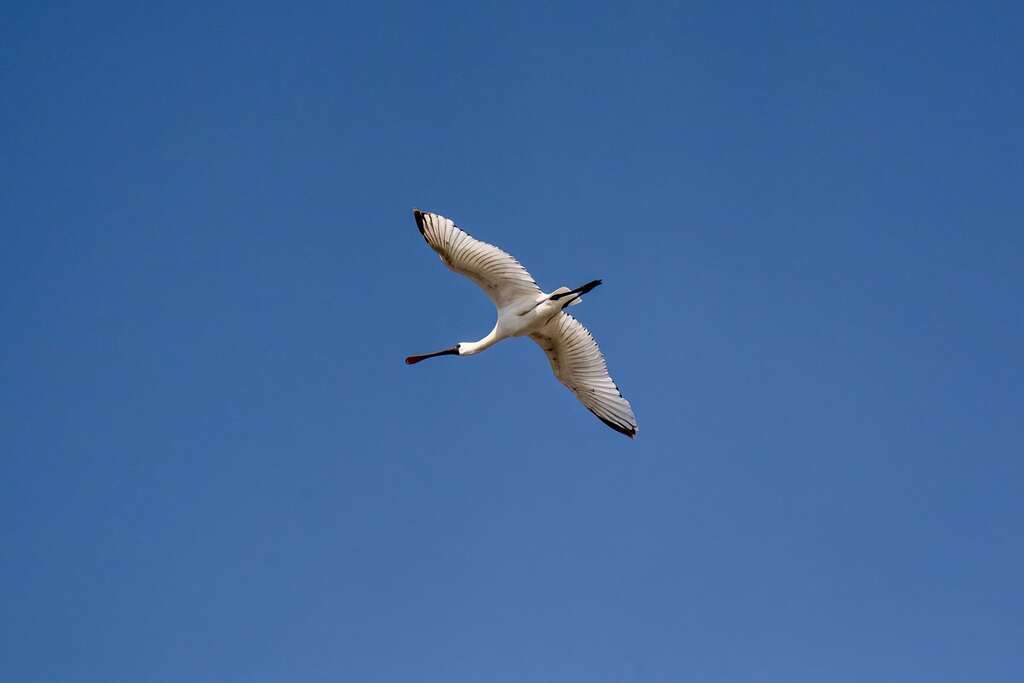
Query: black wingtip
x=418, y=215
x=628, y=431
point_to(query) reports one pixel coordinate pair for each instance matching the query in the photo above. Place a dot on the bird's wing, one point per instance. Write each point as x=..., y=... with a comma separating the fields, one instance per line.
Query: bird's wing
x=501, y=277
x=579, y=365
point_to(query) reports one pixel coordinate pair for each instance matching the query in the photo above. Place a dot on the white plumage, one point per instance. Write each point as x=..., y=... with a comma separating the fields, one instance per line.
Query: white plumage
x=524, y=310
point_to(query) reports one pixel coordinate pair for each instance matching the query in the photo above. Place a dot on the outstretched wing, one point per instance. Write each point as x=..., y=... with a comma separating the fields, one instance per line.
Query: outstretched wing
x=501, y=277
x=579, y=365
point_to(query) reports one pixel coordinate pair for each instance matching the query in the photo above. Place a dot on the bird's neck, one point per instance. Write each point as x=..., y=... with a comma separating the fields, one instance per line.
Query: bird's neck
x=470, y=348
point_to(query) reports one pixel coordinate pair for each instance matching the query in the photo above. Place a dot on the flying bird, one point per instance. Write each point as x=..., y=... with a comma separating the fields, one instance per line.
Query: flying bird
x=524, y=310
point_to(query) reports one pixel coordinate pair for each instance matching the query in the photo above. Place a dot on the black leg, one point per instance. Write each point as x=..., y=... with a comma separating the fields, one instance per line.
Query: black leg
x=579, y=290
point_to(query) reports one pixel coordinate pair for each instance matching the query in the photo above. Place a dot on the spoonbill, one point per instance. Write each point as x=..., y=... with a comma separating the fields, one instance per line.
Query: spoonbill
x=524, y=310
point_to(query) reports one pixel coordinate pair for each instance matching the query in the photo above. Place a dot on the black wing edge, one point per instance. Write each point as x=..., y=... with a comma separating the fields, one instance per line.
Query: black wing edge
x=628, y=431
x=418, y=215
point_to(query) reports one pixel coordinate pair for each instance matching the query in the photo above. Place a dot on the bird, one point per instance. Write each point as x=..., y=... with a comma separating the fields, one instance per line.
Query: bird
x=524, y=310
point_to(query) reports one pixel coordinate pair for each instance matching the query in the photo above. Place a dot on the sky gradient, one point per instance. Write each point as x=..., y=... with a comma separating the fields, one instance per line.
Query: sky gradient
x=214, y=465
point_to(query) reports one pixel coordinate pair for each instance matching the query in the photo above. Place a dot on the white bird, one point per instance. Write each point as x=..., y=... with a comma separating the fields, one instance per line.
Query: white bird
x=524, y=310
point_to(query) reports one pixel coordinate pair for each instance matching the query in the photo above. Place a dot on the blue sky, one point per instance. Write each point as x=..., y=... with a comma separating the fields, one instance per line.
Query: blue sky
x=216, y=467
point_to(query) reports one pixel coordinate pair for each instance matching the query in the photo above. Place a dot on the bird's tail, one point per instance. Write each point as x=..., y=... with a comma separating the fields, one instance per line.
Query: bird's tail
x=565, y=290
x=577, y=294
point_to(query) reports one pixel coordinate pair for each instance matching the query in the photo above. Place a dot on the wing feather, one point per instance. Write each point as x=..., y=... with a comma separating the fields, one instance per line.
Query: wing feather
x=578, y=364
x=501, y=277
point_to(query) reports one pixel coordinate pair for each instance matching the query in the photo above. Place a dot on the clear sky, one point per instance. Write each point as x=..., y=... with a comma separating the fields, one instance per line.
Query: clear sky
x=215, y=466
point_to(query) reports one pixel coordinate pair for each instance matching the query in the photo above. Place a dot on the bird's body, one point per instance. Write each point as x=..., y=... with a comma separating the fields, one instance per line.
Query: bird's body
x=524, y=310
x=520, y=318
